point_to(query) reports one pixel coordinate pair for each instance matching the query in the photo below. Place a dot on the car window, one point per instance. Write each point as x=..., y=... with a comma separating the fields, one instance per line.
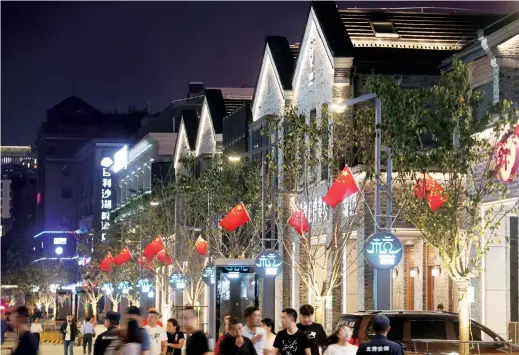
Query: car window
x=428, y=329
x=397, y=329
x=477, y=333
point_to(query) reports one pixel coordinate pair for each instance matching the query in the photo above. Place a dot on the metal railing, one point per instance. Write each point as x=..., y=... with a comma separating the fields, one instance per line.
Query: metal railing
x=513, y=332
x=474, y=344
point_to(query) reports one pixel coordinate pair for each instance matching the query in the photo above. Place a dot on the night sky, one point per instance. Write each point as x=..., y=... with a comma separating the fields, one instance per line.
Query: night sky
x=126, y=53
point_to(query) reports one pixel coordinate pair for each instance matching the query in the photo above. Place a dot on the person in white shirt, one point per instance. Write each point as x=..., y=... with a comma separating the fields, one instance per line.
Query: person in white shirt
x=157, y=334
x=88, y=332
x=254, y=331
x=36, y=329
x=343, y=335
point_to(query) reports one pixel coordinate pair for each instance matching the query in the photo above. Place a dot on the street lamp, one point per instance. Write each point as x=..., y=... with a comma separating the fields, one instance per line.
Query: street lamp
x=154, y=203
x=234, y=158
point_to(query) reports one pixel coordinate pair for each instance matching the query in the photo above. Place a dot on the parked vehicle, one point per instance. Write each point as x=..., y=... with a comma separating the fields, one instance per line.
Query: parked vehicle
x=430, y=332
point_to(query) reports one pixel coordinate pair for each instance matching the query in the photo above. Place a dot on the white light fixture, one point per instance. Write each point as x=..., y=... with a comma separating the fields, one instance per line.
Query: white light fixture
x=395, y=273
x=151, y=294
x=234, y=158
x=154, y=203
x=414, y=272
x=59, y=250
x=146, y=288
x=436, y=271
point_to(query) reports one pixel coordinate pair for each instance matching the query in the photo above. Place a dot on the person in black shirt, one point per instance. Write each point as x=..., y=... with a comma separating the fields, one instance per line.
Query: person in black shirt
x=236, y=343
x=104, y=339
x=379, y=344
x=20, y=321
x=175, y=337
x=291, y=341
x=314, y=331
x=196, y=343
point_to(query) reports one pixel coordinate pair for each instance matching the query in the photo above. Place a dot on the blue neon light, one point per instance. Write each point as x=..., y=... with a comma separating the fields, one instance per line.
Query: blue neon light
x=55, y=232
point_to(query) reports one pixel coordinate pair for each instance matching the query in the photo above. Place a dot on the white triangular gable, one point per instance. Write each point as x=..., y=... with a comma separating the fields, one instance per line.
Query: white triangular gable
x=206, y=137
x=182, y=146
x=313, y=77
x=269, y=97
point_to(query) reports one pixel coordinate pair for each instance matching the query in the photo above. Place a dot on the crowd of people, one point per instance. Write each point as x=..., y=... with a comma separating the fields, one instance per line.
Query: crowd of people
x=250, y=335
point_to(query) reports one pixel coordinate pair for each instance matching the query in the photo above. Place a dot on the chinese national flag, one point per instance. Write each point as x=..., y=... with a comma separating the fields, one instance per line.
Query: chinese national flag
x=123, y=257
x=343, y=187
x=236, y=217
x=201, y=246
x=153, y=248
x=429, y=189
x=164, y=258
x=145, y=263
x=299, y=222
x=106, y=263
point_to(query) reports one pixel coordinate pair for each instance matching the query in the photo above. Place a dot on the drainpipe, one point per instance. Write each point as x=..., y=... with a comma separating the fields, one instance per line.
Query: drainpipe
x=493, y=62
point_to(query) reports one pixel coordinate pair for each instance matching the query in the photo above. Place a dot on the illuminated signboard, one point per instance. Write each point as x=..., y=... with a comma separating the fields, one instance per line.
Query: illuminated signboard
x=60, y=241
x=268, y=264
x=208, y=275
x=120, y=159
x=177, y=281
x=106, y=195
x=507, y=156
x=383, y=250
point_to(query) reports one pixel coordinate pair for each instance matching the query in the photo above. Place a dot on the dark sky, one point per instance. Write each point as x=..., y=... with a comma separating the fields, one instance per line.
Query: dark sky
x=123, y=53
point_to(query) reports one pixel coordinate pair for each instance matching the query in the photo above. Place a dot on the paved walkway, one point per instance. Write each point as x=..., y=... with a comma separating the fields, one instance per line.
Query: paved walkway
x=49, y=349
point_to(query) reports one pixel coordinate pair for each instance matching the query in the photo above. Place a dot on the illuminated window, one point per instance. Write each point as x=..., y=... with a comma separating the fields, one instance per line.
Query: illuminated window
x=384, y=29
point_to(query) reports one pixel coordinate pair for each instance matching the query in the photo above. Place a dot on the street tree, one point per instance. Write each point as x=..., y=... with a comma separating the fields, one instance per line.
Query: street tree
x=441, y=131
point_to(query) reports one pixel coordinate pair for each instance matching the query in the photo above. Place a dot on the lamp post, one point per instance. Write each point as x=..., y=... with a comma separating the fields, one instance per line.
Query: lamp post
x=382, y=279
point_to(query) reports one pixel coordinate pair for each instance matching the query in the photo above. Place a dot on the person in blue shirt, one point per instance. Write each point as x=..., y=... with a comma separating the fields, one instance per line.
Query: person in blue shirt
x=88, y=332
x=135, y=313
x=379, y=345
x=3, y=328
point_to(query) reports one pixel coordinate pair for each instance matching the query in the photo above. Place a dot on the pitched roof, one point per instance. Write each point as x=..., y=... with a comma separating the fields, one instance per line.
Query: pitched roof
x=283, y=59
x=216, y=107
x=191, y=121
x=416, y=30
x=333, y=28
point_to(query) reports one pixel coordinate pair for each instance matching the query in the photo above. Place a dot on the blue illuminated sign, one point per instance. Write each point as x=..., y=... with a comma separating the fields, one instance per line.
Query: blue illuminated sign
x=177, y=281
x=383, y=250
x=268, y=264
x=208, y=275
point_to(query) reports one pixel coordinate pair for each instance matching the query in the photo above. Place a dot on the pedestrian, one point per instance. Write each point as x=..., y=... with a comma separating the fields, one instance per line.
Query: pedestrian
x=440, y=307
x=135, y=313
x=196, y=342
x=89, y=333
x=104, y=339
x=223, y=335
x=175, y=337
x=3, y=328
x=291, y=340
x=145, y=321
x=129, y=343
x=341, y=345
x=379, y=344
x=157, y=334
x=68, y=332
x=224, y=327
x=314, y=331
x=36, y=329
x=20, y=321
x=236, y=343
x=253, y=330
x=268, y=325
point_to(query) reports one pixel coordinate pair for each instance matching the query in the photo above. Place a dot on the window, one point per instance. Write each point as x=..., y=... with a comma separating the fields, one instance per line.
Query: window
x=65, y=170
x=66, y=192
x=397, y=329
x=384, y=29
x=477, y=333
x=428, y=329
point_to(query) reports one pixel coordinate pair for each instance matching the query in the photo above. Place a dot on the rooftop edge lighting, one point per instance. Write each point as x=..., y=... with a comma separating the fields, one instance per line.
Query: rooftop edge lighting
x=56, y=232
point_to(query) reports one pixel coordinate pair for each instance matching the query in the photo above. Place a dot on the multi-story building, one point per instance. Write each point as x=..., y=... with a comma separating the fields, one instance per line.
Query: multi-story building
x=339, y=50
x=72, y=144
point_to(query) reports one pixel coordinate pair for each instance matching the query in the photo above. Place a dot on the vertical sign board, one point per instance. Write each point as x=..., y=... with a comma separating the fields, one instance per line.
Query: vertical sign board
x=268, y=266
x=63, y=304
x=106, y=195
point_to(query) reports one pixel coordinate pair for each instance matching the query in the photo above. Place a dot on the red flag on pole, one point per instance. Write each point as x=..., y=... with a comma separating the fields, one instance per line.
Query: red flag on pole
x=164, y=258
x=201, y=246
x=106, y=263
x=343, y=187
x=153, y=248
x=123, y=257
x=236, y=217
x=429, y=189
x=299, y=222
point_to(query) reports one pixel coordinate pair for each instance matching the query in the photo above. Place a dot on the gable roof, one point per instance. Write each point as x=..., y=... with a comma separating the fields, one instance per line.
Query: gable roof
x=332, y=26
x=216, y=107
x=191, y=121
x=283, y=59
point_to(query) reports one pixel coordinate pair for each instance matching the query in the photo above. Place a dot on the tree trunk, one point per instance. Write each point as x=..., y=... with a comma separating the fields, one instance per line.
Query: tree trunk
x=464, y=316
x=319, y=310
x=115, y=306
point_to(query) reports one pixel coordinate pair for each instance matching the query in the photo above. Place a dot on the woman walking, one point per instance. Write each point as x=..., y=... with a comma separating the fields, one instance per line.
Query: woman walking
x=340, y=342
x=268, y=325
x=175, y=337
x=36, y=329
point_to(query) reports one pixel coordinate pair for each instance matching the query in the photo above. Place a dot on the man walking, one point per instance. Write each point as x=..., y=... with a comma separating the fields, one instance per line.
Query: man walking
x=196, y=343
x=88, y=332
x=157, y=334
x=253, y=330
x=235, y=343
x=379, y=343
x=314, y=331
x=291, y=340
x=20, y=321
x=68, y=332
x=105, y=338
